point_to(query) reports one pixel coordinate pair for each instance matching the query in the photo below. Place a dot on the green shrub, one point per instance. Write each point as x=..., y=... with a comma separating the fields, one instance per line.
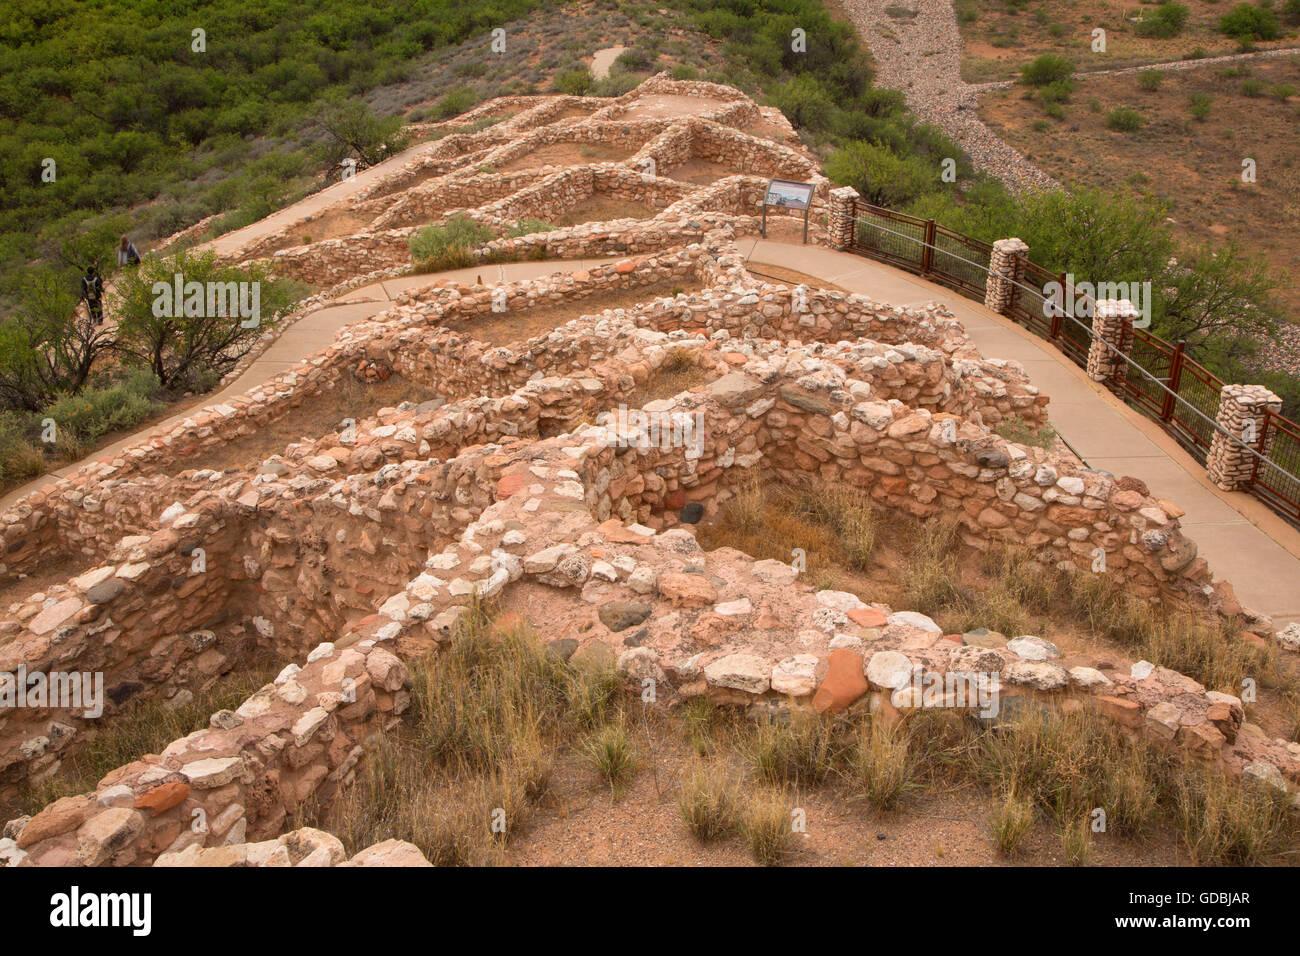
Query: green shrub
x=805, y=102
x=1045, y=69
x=20, y=458
x=1124, y=120
x=1200, y=105
x=684, y=71
x=1167, y=20
x=575, y=82
x=455, y=102
x=94, y=412
x=447, y=246
x=186, y=345
x=526, y=227
x=1252, y=87
x=1058, y=91
x=1150, y=80
x=635, y=59
x=616, y=84
x=1246, y=22
x=881, y=176
x=1283, y=92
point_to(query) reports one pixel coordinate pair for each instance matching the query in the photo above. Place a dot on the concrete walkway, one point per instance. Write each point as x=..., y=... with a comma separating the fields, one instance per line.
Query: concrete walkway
x=307, y=335
x=326, y=198
x=1244, y=542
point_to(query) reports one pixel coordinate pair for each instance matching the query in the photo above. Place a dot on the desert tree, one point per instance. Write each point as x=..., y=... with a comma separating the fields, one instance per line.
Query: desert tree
x=47, y=346
x=191, y=338
x=351, y=129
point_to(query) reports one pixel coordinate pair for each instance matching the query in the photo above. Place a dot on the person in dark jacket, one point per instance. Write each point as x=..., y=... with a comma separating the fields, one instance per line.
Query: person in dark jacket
x=92, y=290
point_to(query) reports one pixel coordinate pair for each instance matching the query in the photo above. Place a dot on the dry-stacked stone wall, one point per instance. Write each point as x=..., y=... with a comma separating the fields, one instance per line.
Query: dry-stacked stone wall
x=359, y=549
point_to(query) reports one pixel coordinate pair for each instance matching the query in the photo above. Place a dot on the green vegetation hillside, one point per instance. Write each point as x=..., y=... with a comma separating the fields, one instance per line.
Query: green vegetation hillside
x=133, y=106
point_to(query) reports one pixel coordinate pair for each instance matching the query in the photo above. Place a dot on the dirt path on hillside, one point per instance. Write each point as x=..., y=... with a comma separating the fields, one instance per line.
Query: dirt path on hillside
x=921, y=57
x=1167, y=66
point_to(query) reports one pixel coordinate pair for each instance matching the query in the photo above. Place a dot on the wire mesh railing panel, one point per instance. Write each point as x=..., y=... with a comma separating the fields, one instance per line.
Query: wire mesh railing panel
x=1277, y=477
x=1156, y=359
x=957, y=260
x=1160, y=381
x=1033, y=302
x=893, y=238
x=1199, y=388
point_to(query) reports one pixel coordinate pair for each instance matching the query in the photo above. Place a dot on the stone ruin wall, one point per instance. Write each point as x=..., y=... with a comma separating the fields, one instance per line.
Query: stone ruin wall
x=509, y=508
x=301, y=737
x=281, y=562
x=913, y=466
x=53, y=521
x=501, y=199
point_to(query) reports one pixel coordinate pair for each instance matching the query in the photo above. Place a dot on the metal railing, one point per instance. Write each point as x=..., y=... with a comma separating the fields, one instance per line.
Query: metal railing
x=1161, y=381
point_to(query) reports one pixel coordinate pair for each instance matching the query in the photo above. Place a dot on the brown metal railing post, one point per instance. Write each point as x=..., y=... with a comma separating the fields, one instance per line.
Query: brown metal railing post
x=1175, y=378
x=927, y=250
x=1058, y=314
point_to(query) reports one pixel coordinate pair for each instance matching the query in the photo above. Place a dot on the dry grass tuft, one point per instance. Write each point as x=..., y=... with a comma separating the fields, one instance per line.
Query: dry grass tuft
x=710, y=802
x=880, y=767
x=767, y=826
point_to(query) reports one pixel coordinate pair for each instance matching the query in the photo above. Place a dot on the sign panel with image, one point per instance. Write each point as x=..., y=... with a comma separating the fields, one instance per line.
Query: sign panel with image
x=788, y=195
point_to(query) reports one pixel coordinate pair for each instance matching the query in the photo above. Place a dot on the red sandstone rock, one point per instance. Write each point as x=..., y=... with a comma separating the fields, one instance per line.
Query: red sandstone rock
x=1126, y=712
x=867, y=617
x=711, y=629
x=163, y=797
x=509, y=485
x=844, y=682
x=59, y=817
x=687, y=590
x=1254, y=639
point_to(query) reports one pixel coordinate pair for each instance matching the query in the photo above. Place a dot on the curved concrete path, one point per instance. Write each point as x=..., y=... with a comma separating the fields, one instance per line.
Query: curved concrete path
x=1243, y=540
x=312, y=332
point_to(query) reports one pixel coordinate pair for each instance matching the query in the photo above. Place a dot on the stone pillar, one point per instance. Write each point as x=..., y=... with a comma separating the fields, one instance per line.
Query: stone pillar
x=840, y=225
x=1006, y=266
x=1111, y=322
x=1241, y=414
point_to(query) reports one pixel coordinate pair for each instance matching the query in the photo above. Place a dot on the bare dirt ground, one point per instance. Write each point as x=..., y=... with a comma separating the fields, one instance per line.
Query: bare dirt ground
x=670, y=105
x=792, y=277
x=518, y=325
x=1193, y=165
x=602, y=209
x=565, y=154
x=699, y=172
x=998, y=38
x=580, y=823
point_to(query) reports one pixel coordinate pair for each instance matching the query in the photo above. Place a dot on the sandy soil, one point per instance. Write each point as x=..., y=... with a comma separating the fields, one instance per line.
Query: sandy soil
x=564, y=154
x=582, y=824
x=520, y=325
